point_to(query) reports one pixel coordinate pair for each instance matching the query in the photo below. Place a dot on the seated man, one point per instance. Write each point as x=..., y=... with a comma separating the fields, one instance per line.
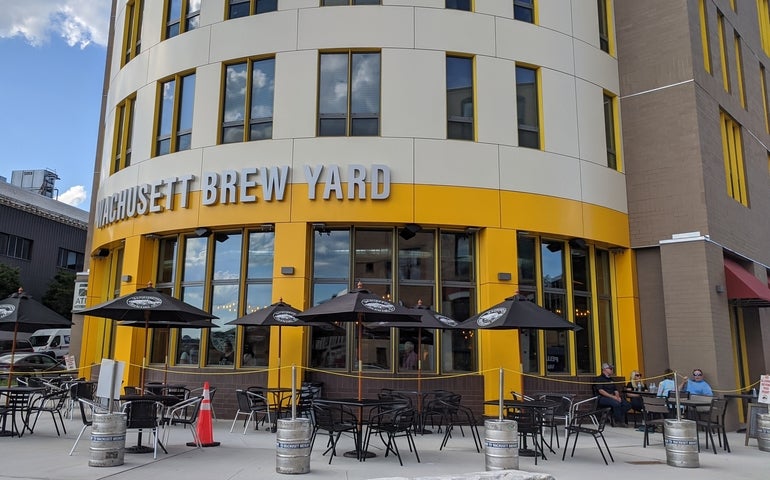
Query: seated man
x=609, y=395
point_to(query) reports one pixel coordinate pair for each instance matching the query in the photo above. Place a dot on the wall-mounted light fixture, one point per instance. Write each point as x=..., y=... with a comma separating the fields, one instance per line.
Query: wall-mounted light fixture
x=202, y=232
x=320, y=228
x=267, y=227
x=616, y=250
x=221, y=237
x=287, y=270
x=504, y=276
x=101, y=253
x=719, y=289
x=472, y=230
x=577, y=243
x=125, y=278
x=409, y=231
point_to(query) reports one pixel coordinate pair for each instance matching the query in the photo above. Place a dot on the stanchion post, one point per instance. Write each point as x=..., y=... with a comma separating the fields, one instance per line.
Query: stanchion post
x=293, y=391
x=500, y=396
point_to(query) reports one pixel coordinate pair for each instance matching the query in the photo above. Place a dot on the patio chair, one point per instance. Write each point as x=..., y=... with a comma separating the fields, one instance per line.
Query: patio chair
x=654, y=414
x=52, y=402
x=584, y=423
x=145, y=415
x=334, y=420
x=529, y=426
x=199, y=392
x=87, y=410
x=251, y=404
x=714, y=422
x=391, y=424
x=559, y=415
x=184, y=413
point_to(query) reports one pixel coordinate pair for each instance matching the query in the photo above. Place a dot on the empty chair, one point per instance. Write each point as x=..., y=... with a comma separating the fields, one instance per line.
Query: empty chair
x=390, y=425
x=80, y=389
x=559, y=415
x=145, y=415
x=528, y=426
x=251, y=404
x=199, y=392
x=184, y=413
x=654, y=413
x=178, y=391
x=584, y=423
x=15, y=404
x=52, y=402
x=714, y=422
x=334, y=420
x=87, y=410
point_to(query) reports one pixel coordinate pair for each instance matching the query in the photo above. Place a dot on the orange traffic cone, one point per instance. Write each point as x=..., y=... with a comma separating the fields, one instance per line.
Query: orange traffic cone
x=205, y=427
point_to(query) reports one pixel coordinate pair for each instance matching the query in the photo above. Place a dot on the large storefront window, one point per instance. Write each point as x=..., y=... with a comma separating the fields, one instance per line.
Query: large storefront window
x=555, y=300
x=259, y=292
x=225, y=286
x=581, y=304
x=604, y=312
x=380, y=256
x=527, y=267
x=193, y=285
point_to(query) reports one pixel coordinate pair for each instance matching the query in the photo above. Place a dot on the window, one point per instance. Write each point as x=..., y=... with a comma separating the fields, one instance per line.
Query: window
x=763, y=90
x=739, y=69
x=175, y=113
x=763, y=16
x=123, y=136
x=225, y=275
x=132, y=30
x=704, y=35
x=248, y=101
x=527, y=100
x=557, y=354
x=368, y=255
x=604, y=25
x=15, y=247
x=529, y=339
x=333, y=3
x=459, y=5
x=459, y=98
x=610, y=131
x=582, y=306
x=70, y=260
x=723, y=51
x=732, y=149
x=604, y=320
x=244, y=8
x=349, y=94
x=524, y=10
x=182, y=16
x=259, y=292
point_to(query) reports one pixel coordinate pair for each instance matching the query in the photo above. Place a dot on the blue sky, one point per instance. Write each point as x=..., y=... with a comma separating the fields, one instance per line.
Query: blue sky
x=52, y=55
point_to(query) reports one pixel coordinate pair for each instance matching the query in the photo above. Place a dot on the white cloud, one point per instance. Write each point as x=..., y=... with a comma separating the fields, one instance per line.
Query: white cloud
x=78, y=22
x=74, y=196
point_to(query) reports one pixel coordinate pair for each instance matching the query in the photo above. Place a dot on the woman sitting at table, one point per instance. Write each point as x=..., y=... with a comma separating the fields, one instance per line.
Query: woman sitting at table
x=635, y=385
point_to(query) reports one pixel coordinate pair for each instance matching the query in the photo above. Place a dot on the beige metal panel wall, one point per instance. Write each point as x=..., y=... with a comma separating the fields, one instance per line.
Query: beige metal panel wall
x=441, y=29
x=494, y=7
x=206, y=115
x=585, y=22
x=446, y=162
x=590, y=112
x=556, y=15
x=603, y=186
x=252, y=36
x=559, y=115
x=496, y=101
x=597, y=67
x=179, y=54
x=523, y=42
x=294, y=101
x=359, y=27
x=413, y=104
x=534, y=171
x=235, y=156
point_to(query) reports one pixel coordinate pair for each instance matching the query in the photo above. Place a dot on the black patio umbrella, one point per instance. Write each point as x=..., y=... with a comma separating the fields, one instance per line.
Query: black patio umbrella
x=149, y=307
x=513, y=313
x=21, y=313
x=359, y=305
x=280, y=314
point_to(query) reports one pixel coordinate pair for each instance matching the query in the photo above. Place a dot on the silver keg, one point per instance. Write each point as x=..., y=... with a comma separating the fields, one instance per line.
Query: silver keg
x=108, y=440
x=292, y=446
x=763, y=432
x=501, y=445
x=681, y=442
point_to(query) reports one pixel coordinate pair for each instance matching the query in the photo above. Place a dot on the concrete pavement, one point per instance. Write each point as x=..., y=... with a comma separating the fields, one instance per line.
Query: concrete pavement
x=43, y=455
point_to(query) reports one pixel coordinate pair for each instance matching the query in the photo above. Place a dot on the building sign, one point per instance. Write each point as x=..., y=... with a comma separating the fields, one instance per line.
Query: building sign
x=79, y=300
x=248, y=185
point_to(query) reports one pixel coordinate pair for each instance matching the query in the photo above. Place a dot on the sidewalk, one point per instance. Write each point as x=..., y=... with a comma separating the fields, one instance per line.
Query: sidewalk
x=43, y=455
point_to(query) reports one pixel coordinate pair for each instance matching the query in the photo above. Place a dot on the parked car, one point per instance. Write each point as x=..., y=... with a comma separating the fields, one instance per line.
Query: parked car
x=21, y=346
x=30, y=362
x=53, y=341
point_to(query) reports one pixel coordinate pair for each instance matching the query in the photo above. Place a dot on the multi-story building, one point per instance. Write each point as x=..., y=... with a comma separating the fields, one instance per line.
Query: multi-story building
x=449, y=152
x=40, y=236
x=693, y=86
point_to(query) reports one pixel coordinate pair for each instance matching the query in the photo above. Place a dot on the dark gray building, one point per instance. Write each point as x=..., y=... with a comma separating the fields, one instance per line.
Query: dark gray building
x=40, y=236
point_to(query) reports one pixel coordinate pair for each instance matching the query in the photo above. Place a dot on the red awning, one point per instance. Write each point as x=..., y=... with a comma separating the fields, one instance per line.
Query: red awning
x=743, y=287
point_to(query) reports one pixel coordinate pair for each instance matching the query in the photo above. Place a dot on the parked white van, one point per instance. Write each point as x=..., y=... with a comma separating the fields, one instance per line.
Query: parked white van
x=53, y=341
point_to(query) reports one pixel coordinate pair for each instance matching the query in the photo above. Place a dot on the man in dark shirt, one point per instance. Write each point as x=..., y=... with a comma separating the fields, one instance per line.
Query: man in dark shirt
x=610, y=396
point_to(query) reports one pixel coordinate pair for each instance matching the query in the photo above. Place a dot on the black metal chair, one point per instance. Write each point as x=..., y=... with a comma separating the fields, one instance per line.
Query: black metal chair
x=52, y=402
x=655, y=411
x=334, y=420
x=145, y=415
x=180, y=392
x=199, y=392
x=251, y=404
x=584, y=423
x=559, y=415
x=80, y=389
x=16, y=404
x=529, y=426
x=184, y=413
x=389, y=425
x=87, y=410
x=714, y=422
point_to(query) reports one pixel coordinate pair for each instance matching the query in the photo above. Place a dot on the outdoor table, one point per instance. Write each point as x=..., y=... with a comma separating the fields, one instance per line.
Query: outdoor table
x=6, y=392
x=418, y=399
x=166, y=400
x=278, y=396
x=360, y=404
x=691, y=405
x=540, y=406
x=745, y=398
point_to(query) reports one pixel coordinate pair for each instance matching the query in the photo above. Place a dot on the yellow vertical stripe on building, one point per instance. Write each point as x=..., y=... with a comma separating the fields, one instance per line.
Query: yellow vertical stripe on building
x=726, y=153
x=739, y=69
x=704, y=36
x=723, y=51
x=763, y=90
x=763, y=17
x=740, y=169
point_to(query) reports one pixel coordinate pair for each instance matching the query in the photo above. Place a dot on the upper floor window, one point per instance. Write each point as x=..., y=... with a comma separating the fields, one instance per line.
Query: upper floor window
x=739, y=68
x=248, y=101
x=527, y=107
x=132, y=30
x=723, y=51
x=175, y=113
x=244, y=8
x=182, y=16
x=604, y=25
x=333, y=3
x=732, y=150
x=524, y=10
x=704, y=35
x=459, y=98
x=459, y=5
x=763, y=90
x=611, y=130
x=349, y=94
x=123, y=136
x=15, y=247
x=763, y=17
x=70, y=260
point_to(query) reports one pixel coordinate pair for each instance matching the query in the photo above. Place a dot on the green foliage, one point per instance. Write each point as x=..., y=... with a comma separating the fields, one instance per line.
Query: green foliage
x=9, y=280
x=60, y=293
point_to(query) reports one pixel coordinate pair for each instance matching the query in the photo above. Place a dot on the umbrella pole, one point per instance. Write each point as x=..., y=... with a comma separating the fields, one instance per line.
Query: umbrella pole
x=279, y=358
x=360, y=361
x=500, y=396
x=13, y=352
x=419, y=368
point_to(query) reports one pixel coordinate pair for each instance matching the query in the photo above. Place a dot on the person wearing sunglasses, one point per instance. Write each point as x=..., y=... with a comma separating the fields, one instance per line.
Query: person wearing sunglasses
x=609, y=395
x=635, y=385
x=696, y=385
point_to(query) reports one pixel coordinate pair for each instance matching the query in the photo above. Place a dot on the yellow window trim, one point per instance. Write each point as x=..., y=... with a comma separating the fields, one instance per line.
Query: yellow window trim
x=704, y=36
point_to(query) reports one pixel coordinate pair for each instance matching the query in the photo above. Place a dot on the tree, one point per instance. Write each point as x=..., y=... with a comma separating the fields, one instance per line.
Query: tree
x=61, y=291
x=9, y=280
